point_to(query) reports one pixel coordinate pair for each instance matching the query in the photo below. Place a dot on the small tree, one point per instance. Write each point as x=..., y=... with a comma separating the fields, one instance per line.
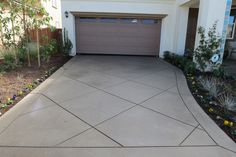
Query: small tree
x=39, y=18
x=207, y=54
x=10, y=25
x=22, y=16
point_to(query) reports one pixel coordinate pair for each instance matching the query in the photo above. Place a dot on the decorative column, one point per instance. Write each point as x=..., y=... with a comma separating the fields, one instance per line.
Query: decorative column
x=211, y=11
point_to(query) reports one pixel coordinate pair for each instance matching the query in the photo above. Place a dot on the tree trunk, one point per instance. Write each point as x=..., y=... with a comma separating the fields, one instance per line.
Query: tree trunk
x=23, y=12
x=14, y=40
x=1, y=33
x=26, y=34
x=28, y=56
x=39, y=61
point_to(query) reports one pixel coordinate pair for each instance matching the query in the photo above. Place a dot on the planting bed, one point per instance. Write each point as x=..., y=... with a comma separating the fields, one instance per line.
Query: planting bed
x=225, y=119
x=15, y=84
x=215, y=92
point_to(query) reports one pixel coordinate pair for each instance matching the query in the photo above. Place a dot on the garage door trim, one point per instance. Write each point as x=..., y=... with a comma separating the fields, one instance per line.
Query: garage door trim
x=118, y=15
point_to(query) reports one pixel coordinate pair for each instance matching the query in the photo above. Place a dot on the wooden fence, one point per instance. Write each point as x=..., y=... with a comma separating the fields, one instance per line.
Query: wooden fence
x=46, y=35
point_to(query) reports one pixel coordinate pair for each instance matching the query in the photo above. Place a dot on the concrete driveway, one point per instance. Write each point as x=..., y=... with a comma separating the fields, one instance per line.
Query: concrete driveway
x=103, y=106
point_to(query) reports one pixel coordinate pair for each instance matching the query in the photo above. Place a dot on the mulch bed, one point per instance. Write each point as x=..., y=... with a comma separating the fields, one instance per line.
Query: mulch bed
x=227, y=122
x=214, y=91
x=15, y=81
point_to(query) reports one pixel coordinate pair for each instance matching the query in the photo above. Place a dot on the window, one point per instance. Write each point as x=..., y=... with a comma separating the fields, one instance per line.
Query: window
x=149, y=21
x=88, y=19
x=231, y=28
x=54, y=3
x=131, y=21
x=109, y=20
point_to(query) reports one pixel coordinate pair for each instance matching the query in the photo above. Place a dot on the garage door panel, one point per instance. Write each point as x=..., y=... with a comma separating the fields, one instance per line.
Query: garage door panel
x=119, y=50
x=143, y=33
x=132, y=42
x=118, y=38
x=121, y=39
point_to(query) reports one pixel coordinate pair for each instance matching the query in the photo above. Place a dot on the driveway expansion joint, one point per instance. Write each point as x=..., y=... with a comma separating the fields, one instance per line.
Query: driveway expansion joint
x=188, y=135
x=188, y=107
x=124, y=147
x=83, y=120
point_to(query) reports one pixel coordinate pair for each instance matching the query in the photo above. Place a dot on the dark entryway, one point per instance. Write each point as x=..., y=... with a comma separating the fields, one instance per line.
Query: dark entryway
x=192, y=29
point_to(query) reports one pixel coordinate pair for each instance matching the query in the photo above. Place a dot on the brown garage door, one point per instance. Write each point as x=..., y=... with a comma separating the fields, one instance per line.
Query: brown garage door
x=127, y=36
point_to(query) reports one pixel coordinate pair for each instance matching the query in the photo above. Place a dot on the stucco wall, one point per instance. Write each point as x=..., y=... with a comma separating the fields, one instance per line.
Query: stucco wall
x=54, y=12
x=209, y=13
x=173, y=31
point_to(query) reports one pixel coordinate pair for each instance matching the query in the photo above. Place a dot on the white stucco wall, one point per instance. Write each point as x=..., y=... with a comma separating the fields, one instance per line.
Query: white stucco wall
x=209, y=13
x=54, y=12
x=181, y=22
x=170, y=40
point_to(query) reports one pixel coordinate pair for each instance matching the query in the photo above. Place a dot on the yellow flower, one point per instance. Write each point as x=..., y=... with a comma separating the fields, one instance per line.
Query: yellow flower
x=211, y=110
x=30, y=86
x=20, y=93
x=8, y=99
x=228, y=123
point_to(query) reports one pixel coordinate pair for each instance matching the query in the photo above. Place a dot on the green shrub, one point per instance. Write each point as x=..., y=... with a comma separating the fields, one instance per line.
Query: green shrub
x=9, y=60
x=21, y=50
x=189, y=54
x=32, y=48
x=182, y=62
x=172, y=58
x=23, y=47
x=187, y=65
x=175, y=59
x=190, y=68
x=220, y=72
x=167, y=56
x=48, y=50
x=8, y=57
x=21, y=55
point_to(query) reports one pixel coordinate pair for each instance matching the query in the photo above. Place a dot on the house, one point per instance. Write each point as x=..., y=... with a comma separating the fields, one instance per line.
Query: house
x=142, y=27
